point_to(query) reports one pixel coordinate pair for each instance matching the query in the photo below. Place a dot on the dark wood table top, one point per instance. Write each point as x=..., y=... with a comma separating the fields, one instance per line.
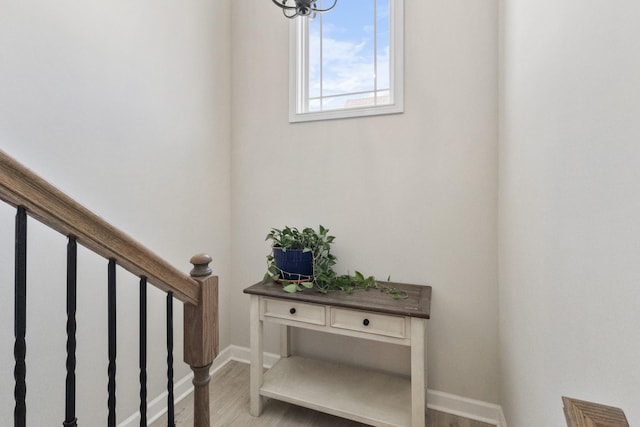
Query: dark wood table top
x=417, y=303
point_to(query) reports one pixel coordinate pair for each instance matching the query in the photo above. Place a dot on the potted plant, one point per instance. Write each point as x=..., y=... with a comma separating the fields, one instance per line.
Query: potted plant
x=299, y=257
x=303, y=259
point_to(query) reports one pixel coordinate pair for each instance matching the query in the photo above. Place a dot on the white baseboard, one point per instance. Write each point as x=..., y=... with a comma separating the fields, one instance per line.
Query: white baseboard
x=243, y=354
x=503, y=420
x=478, y=410
x=158, y=406
x=184, y=387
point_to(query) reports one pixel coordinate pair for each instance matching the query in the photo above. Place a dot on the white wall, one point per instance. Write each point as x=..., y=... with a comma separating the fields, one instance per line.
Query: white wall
x=569, y=207
x=124, y=106
x=413, y=196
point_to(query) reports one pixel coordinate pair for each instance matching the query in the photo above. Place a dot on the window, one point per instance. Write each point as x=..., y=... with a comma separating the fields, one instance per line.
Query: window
x=347, y=62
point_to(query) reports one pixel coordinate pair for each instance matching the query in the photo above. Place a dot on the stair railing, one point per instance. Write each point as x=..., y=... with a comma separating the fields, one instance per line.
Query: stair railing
x=35, y=197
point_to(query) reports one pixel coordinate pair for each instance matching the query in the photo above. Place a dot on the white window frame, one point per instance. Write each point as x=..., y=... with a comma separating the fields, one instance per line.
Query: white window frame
x=298, y=72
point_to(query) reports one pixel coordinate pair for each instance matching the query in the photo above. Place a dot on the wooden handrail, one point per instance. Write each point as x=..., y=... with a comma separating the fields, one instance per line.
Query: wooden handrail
x=20, y=186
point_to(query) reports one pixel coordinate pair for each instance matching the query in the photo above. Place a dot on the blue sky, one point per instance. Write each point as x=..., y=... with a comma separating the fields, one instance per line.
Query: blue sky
x=348, y=47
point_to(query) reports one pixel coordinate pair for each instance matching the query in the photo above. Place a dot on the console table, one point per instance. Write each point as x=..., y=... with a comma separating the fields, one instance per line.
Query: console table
x=359, y=394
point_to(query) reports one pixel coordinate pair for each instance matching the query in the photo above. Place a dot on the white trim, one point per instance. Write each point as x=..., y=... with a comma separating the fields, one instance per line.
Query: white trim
x=243, y=354
x=346, y=113
x=503, y=420
x=158, y=406
x=298, y=67
x=183, y=387
x=478, y=410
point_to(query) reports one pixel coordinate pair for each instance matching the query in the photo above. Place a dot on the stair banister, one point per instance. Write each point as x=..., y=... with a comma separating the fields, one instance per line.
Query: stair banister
x=201, y=336
x=19, y=186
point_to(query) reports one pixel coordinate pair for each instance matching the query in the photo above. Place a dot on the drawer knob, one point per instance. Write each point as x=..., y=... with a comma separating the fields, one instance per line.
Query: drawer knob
x=365, y=322
x=292, y=310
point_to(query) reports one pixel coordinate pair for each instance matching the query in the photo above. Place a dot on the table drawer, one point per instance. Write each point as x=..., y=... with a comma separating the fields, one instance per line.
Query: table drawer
x=295, y=311
x=372, y=323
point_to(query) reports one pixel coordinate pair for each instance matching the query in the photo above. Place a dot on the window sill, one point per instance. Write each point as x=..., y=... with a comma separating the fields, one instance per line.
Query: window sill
x=346, y=113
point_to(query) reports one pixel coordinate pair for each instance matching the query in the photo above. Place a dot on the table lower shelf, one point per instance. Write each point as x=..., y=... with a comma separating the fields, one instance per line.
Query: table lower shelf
x=358, y=394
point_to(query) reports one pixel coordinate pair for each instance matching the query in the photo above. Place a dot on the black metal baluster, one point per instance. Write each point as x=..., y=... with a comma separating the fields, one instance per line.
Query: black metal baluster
x=20, y=326
x=143, y=352
x=111, y=370
x=170, y=408
x=70, y=419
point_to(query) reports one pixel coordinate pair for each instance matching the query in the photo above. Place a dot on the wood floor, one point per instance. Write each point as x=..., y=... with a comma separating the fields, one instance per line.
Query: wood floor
x=230, y=407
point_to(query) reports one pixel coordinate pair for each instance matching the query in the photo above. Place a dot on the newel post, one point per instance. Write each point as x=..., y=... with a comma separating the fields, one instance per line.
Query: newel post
x=201, y=336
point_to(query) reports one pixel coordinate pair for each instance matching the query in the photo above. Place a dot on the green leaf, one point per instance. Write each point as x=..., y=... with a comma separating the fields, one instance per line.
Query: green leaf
x=307, y=285
x=291, y=288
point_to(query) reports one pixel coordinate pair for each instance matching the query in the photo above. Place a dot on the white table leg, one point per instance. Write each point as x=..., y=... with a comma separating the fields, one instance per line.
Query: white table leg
x=285, y=341
x=418, y=372
x=257, y=374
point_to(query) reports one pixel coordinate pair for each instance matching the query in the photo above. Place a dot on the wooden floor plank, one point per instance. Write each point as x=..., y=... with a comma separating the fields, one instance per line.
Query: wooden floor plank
x=230, y=408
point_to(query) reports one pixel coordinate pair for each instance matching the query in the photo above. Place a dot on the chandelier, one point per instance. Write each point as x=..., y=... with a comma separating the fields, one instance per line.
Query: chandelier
x=301, y=8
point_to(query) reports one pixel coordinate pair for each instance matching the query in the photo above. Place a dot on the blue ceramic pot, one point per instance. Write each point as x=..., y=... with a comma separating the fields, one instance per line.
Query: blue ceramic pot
x=294, y=263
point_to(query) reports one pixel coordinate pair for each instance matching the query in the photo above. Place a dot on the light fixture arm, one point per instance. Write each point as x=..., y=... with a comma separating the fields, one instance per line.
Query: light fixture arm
x=302, y=8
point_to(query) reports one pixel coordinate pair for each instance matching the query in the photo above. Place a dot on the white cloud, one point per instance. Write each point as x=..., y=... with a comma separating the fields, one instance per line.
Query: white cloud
x=348, y=67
